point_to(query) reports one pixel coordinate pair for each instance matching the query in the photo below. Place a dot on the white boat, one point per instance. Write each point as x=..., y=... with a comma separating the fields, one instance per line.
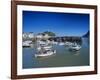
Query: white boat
x=68, y=43
x=26, y=43
x=44, y=50
x=46, y=53
x=39, y=48
x=54, y=42
x=47, y=47
x=61, y=43
x=75, y=47
x=41, y=42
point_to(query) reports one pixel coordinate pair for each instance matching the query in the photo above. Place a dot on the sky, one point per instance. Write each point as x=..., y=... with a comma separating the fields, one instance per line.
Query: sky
x=62, y=24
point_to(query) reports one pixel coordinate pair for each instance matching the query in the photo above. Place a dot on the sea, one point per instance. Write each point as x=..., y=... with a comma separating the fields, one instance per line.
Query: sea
x=63, y=57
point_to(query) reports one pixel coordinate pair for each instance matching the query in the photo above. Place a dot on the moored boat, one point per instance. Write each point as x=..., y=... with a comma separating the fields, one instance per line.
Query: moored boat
x=26, y=43
x=46, y=53
x=75, y=47
x=44, y=50
x=61, y=43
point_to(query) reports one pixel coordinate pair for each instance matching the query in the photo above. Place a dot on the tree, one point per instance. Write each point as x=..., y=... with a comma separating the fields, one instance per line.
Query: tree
x=49, y=33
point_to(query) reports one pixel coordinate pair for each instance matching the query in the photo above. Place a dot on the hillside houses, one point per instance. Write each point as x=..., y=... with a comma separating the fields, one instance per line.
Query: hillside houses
x=31, y=35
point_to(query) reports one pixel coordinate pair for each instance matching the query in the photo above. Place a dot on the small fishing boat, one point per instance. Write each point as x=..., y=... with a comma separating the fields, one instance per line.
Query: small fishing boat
x=44, y=50
x=26, y=43
x=55, y=43
x=68, y=43
x=45, y=53
x=41, y=42
x=75, y=47
x=46, y=47
x=61, y=43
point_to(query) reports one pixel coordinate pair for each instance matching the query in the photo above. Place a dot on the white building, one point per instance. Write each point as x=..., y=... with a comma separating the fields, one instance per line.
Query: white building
x=29, y=35
x=24, y=35
x=39, y=36
x=42, y=36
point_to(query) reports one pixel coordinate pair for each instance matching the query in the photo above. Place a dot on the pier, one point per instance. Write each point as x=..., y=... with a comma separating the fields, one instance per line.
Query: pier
x=66, y=38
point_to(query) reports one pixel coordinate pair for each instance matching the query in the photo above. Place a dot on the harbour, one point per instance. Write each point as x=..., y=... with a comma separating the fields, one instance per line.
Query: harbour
x=55, y=39
x=63, y=56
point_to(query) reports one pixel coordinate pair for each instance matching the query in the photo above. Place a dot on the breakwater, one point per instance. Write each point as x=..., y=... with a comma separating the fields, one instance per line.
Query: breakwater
x=66, y=38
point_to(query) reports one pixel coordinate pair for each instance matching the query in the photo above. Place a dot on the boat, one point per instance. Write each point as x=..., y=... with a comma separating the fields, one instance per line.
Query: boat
x=39, y=48
x=55, y=43
x=61, y=43
x=44, y=50
x=46, y=47
x=75, y=47
x=68, y=43
x=41, y=42
x=46, y=53
x=26, y=43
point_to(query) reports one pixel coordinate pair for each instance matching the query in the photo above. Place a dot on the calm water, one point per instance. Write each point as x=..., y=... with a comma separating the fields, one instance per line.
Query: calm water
x=62, y=58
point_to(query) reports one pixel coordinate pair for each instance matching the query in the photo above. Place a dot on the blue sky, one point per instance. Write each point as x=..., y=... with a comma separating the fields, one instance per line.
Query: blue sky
x=62, y=24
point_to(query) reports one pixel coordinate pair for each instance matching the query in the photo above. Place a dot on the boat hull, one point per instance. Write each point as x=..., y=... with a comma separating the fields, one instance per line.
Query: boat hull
x=75, y=48
x=46, y=54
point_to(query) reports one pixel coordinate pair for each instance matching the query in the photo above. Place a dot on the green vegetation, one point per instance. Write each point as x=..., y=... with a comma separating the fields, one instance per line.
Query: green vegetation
x=49, y=33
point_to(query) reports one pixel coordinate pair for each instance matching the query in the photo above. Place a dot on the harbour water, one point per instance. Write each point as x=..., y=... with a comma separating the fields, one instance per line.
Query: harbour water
x=62, y=58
